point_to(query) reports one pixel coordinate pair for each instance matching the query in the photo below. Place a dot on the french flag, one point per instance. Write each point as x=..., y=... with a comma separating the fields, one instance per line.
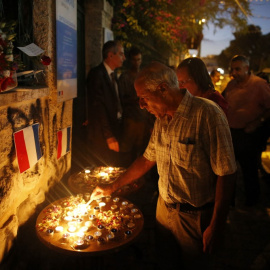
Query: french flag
x=27, y=147
x=63, y=146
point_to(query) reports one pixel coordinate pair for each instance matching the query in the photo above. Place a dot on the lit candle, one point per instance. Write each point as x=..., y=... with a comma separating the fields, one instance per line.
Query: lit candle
x=103, y=175
x=97, y=234
x=79, y=241
x=109, y=236
x=116, y=199
x=134, y=210
x=66, y=235
x=87, y=224
x=102, y=205
x=84, y=229
x=137, y=216
x=59, y=229
x=72, y=229
x=114, y=207
x=80, y=234
x=130, y=225
x=67, y=218
x=108, y=198
x=110, y=169
x=96, y=209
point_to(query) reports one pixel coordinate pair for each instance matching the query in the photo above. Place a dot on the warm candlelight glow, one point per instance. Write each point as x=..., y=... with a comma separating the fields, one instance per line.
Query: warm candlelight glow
x=72, y=229
x=103, y=174
x=59, y=229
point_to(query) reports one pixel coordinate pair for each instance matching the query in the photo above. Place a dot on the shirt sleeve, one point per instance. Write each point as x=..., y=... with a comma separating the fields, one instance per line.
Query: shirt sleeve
x=220, y=144
x=150, y=151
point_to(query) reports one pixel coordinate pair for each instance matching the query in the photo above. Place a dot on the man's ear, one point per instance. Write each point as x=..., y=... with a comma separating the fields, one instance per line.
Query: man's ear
x=163, y=87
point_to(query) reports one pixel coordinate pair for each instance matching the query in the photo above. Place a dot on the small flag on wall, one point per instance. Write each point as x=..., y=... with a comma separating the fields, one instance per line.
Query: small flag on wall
x=27, y=147
x=63, y=145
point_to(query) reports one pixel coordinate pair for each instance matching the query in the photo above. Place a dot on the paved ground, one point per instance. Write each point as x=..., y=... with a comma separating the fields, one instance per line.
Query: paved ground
x=247, y=244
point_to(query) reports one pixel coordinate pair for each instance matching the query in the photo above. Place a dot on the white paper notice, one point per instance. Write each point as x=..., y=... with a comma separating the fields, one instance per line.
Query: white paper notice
x=31, y=50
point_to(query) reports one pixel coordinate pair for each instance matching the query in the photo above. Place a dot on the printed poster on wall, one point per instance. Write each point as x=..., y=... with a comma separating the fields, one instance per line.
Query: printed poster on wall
x=66, y=49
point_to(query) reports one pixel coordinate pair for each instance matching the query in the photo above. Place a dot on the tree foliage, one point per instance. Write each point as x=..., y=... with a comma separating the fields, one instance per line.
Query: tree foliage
x=252, y=44
x=166, y=27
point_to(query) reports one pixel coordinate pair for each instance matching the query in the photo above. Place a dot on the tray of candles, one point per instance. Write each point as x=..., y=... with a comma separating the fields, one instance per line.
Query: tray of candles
x=74, y=225
x=87, y=179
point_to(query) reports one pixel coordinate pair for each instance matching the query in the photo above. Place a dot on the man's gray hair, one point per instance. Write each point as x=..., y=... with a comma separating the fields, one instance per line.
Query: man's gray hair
x=156, y=73
x=241, y=58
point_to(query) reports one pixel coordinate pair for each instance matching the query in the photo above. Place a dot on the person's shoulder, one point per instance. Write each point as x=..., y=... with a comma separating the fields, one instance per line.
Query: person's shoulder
x=208, y=106
x=98, y=68
x=258, y=79
x=97, y=71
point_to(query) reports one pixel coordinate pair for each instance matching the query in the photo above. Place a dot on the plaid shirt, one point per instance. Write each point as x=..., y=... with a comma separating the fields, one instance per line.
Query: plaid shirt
x=191, y=150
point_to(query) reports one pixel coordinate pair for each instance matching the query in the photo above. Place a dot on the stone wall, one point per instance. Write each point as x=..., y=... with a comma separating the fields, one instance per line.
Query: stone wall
x=21, y=193
x=98, y=16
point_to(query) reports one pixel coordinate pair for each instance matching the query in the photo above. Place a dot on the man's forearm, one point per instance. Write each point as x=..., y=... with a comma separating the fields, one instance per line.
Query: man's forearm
x=224, y=195
x=137, y=169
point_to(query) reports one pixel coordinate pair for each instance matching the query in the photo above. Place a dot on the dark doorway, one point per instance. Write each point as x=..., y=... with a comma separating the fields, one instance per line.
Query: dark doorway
x=79, y=134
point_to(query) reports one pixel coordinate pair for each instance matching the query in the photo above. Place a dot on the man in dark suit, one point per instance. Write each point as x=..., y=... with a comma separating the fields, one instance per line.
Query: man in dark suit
x=104, y=106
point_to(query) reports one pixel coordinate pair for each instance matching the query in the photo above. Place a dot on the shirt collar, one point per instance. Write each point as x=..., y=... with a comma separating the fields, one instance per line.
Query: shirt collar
x=185, y=105
x=109, y=70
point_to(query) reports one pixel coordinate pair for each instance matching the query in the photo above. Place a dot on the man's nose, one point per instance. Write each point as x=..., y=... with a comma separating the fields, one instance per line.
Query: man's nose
x=142, y=104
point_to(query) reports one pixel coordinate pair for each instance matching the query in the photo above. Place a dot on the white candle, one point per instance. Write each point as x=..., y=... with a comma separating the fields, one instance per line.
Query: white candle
x=102, y=205
x=68, y=218
x=110, y=169
x=66, y=235
x=80, y=234
x=87, y=224
x=84, y=229
x=72, y=229
x=97, y=234
x=109, y=236
x=59, y=229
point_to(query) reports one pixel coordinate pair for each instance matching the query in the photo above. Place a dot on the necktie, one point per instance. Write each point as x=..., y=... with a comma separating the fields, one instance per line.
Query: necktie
x=119, y=107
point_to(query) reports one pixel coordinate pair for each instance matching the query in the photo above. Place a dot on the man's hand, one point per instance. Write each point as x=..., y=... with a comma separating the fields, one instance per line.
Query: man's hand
x=100, y=191
x=211, y=240
x=113, y=144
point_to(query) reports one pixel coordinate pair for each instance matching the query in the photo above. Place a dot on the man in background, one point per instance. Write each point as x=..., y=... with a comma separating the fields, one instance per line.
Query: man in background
x=104, y=106
x=248, y=97
x=137, y=122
